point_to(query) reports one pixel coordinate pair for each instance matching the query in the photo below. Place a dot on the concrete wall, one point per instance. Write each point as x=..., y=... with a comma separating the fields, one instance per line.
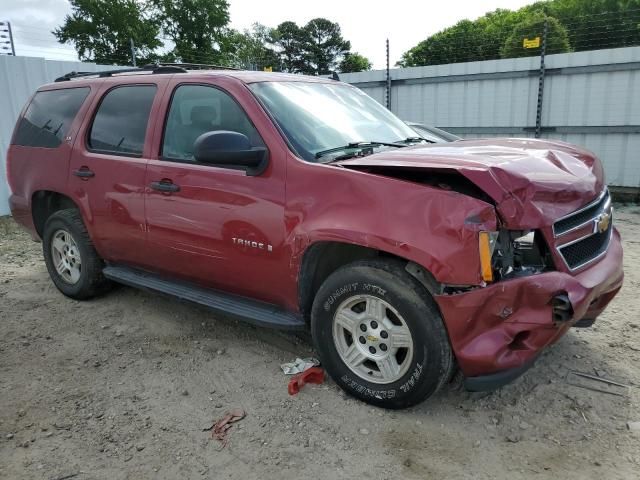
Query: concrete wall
x=590, y=98
x=19, y=78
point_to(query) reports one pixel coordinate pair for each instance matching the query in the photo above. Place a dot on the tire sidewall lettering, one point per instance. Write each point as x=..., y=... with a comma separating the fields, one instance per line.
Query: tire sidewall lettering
x=338, y=294
x=353, y=382
x=349, y=288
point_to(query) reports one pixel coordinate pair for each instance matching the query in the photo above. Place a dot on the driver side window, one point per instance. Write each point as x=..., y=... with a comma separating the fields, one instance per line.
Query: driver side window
x=197, y=109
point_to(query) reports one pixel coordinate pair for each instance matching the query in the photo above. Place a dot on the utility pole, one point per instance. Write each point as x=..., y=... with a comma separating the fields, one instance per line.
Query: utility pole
x=133, y=52
x=388, y=81
x=5, y=32
x=543, y=50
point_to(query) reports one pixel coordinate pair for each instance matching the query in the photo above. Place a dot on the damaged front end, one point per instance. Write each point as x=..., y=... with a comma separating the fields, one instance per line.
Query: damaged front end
x=526, y=303
x=531, y=296
x=552, y=261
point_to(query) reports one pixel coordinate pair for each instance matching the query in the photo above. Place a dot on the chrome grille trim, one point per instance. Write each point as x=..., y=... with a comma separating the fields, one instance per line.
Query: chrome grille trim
x=594, y=244
x=604, y=196
x=600, y=254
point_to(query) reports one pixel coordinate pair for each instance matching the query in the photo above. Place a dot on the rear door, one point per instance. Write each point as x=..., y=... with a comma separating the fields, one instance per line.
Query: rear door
x=219, y=226
x=108, y=165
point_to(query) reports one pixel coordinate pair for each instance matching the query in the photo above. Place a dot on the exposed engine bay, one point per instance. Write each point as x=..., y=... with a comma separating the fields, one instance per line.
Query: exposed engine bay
x=518, y=253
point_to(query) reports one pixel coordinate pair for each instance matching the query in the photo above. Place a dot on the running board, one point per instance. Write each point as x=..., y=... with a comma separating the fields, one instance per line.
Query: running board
x=255, y=312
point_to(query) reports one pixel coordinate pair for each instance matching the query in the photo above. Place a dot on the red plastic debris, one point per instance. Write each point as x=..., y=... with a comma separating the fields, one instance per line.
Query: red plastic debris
x=220, y=429
x=310, y=375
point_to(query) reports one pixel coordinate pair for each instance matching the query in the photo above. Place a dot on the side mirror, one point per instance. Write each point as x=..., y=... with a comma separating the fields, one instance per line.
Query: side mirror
x=230, y=149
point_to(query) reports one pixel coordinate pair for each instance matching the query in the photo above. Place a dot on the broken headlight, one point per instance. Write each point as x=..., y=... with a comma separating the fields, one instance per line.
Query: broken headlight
x=516, y=253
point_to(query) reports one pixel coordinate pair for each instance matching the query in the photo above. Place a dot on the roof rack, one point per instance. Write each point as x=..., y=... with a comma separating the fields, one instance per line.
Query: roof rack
x=109, y=73
x=195, y=66
x=155, y=68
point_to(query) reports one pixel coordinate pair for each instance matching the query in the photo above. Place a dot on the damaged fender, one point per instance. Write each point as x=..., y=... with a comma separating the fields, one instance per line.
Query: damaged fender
x=435, y=228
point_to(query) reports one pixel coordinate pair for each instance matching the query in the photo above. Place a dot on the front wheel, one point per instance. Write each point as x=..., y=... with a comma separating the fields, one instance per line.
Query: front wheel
x=379, y=334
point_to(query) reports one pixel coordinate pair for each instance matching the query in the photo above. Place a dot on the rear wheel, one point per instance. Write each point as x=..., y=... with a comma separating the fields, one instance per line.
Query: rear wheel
x=72, y=261
x=380, y=335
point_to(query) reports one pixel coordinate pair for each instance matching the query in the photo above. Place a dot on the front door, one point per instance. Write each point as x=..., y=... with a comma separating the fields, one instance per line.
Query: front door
x=213, y=225
x=107, y=171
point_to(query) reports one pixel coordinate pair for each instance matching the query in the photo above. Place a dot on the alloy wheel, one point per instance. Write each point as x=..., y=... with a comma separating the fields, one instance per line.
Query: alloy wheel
x=66, y=256
x=372, y=339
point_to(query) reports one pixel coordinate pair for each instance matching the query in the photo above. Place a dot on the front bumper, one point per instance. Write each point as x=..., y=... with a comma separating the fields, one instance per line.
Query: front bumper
x=497, y=331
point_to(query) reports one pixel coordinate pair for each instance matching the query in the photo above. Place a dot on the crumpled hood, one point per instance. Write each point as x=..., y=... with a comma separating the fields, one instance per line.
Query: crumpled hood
x=533, y=182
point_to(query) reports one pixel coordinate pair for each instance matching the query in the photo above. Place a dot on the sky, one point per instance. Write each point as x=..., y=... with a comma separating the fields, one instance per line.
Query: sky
x=365, y=23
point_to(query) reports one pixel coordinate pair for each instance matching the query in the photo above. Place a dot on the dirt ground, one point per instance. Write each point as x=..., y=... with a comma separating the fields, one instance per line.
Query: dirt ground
x=122, y=386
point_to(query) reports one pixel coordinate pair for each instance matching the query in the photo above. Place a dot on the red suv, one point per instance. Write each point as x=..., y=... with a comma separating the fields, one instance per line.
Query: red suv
x=298, y=202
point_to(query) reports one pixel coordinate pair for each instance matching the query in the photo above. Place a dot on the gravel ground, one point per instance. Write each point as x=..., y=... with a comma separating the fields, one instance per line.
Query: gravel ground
x=122, y=386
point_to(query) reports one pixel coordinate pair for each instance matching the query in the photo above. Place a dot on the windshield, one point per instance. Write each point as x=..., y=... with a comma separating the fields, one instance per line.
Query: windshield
x=317, y=117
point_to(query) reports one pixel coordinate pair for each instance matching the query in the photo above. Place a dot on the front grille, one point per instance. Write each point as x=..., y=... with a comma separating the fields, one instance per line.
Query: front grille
x=586, y=250
x=582, y=216
x=581, y=251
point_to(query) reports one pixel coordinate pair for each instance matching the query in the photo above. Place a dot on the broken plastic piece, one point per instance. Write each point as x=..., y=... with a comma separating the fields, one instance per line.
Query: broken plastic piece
x=311, y=375
x=299, y=366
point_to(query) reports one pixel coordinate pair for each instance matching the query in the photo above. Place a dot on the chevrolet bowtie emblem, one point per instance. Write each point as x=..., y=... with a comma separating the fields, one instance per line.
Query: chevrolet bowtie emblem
x=602, y=222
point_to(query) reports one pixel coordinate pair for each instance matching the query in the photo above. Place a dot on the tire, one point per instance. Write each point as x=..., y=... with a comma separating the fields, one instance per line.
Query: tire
x=81, y=277
x=410, y=368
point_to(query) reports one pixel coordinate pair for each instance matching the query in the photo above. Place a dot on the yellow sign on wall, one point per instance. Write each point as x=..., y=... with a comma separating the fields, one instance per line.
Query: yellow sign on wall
x=533, y=43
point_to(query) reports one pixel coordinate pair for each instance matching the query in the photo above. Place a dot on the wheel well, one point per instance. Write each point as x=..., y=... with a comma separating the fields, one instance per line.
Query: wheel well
x=323, y=258
x=45, y=203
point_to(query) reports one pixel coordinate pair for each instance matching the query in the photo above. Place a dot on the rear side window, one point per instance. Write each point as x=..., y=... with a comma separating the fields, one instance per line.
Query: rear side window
x=120, y=123
x=49, y=116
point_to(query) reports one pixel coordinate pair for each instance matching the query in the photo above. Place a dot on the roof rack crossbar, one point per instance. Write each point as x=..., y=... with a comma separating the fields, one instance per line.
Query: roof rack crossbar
x=99, y=73
x=154, y=68
x=196, y=66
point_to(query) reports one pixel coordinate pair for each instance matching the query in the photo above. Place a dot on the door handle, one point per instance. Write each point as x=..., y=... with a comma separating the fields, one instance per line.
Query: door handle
x=84, y=173
x=165, y=186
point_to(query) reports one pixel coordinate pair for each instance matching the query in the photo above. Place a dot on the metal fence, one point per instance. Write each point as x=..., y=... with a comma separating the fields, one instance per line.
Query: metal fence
x=19, y=78
x=590, y=99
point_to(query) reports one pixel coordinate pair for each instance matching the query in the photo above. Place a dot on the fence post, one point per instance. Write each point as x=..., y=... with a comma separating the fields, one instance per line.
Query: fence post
x=541, y=81
x=13, y=48
x=10, y=36
x=388, y=80
x=133, y=52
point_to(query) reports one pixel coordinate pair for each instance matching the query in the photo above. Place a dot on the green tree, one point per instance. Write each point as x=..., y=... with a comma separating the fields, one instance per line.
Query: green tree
x=251, y=49
x=449, y=46
x=496, y=27
x=354, y=62
x=289, y=41
x=557, y=37
x=596, y=24
x=324, y=47
x=589, y=24
x=317, y=48
x=197, y=28
x=100, y=31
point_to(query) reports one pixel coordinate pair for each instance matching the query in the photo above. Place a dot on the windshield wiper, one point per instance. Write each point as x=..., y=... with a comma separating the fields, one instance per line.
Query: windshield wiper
x=416, y=140
x=322, y=153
